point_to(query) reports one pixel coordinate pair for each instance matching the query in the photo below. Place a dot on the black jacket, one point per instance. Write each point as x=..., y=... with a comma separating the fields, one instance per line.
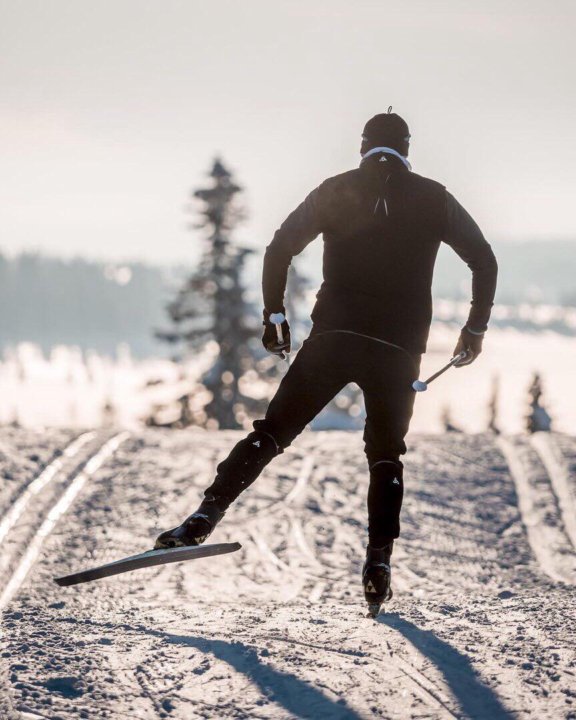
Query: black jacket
x=382, y=227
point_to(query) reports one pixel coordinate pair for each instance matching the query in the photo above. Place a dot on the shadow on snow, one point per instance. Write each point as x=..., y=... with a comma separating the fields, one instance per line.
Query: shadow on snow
x=475, y=699
x=297, y=696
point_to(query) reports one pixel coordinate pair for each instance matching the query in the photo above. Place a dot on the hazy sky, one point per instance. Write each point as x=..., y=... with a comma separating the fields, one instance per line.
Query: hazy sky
x=111, y=111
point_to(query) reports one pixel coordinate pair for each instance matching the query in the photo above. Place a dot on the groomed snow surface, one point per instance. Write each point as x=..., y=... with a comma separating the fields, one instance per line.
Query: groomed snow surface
x=481, y=624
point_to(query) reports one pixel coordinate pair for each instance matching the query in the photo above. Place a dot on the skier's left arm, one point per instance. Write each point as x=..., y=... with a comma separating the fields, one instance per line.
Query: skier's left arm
x=466, y=239
x=298, y=230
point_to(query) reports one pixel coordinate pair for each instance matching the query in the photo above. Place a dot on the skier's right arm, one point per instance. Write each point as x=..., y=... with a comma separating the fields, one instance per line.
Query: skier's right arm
x=298, y=230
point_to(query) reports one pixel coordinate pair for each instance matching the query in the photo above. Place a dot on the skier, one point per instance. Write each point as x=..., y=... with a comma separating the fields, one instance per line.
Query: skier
x=382, y=226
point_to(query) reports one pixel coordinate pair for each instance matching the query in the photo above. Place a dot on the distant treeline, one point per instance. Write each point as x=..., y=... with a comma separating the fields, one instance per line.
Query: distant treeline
x=93, y=305
x=533, y=272
x=97, y=306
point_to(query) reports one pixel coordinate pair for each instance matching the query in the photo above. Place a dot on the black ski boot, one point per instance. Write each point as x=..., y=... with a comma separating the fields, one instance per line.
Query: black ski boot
x=195, y=529
x=376, y=577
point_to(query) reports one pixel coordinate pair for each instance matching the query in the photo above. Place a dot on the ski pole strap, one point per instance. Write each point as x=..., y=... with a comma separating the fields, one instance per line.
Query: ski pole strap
x=368, y=337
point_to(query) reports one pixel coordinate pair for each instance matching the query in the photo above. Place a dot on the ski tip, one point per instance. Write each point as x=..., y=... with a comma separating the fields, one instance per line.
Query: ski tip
x=64, y=581
x=68, y=580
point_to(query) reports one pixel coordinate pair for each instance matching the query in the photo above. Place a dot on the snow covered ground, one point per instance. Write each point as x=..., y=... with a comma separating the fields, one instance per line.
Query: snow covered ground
x=481, y=624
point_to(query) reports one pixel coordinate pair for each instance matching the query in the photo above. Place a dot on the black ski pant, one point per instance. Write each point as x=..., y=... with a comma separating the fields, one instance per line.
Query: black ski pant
x=326, y=363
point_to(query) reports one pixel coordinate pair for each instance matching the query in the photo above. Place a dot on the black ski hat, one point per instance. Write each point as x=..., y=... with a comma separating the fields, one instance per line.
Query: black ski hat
x=387, y=130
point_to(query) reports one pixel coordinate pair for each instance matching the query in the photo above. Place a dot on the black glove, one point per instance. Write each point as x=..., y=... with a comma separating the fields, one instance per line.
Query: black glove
x=270, y=338
x=471, y=344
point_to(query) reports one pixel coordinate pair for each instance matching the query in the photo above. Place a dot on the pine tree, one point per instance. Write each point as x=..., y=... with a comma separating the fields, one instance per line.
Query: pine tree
x=493, y=406
x=447, y=421
x=211, y=305
x=538, y=419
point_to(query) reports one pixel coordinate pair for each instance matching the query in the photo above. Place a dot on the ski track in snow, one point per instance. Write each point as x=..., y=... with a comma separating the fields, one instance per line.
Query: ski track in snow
x=481, y=624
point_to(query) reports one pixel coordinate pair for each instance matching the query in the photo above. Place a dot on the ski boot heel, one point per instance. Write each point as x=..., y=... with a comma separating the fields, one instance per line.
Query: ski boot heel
x=194, y=530
x=376, y=578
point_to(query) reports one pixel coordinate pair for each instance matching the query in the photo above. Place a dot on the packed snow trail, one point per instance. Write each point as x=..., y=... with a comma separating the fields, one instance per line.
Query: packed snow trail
x=479, y=626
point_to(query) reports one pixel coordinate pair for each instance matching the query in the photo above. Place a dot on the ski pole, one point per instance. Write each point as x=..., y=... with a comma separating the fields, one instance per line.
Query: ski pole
x=278, y=319
x=421, y=386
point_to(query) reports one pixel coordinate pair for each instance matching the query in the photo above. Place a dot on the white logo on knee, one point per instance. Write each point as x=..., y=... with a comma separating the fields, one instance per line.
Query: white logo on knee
x=257, y=443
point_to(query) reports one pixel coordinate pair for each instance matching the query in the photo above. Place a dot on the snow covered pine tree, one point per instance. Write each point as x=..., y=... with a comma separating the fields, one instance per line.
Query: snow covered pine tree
x=382, y=226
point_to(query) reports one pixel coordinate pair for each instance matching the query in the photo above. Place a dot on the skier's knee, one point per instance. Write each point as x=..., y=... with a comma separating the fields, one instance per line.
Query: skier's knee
x=251, y=454
x=243, y=465
x=383, y=445
x=264, y=441
x=376, y=465
x=266, y=433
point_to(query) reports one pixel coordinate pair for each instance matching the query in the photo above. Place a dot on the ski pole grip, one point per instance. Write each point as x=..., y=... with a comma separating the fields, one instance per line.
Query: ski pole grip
x=278, y=319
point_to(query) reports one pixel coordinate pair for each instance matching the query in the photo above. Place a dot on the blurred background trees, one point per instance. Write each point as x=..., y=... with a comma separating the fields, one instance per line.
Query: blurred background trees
x=538, y=419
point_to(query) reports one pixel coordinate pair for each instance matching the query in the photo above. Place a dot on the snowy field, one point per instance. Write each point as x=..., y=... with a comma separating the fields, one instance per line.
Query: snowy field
x=481, y=624
x=72, y=389
x=69, y=389
x=511, y=357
